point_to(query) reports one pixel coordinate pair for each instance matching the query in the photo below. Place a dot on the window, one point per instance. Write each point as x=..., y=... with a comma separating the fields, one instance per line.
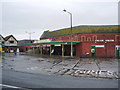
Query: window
x=117, y=37
x=2, y=42
x=89, y=39
x=83, y=38
x=94, y=37
x=11, y=41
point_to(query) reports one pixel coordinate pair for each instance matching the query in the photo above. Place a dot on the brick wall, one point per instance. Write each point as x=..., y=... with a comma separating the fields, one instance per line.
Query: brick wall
x=87, y=40
x=87, y=37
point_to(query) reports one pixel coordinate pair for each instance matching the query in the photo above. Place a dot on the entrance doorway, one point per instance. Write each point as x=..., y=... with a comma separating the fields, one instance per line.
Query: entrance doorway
x=118, y=51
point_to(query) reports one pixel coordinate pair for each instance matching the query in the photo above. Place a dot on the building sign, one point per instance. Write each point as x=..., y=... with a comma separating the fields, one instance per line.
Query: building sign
x=105, y=40
x=110, y=40
x=99, y=45
x=117, y=45
x=42, y=41
x=57, y=44
x=99, y=40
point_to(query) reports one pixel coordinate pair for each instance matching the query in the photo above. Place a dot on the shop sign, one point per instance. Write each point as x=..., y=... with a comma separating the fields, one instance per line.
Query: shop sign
x=57, y=44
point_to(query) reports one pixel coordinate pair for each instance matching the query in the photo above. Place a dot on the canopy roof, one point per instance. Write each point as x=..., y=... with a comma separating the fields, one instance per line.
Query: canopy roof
x=55, y=42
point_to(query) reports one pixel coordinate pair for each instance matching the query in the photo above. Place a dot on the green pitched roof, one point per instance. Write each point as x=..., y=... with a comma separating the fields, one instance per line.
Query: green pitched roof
x=83, y=30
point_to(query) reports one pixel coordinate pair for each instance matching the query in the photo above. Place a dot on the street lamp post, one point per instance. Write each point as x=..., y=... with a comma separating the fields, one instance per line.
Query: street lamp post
x=71, y=31
x=30, y=34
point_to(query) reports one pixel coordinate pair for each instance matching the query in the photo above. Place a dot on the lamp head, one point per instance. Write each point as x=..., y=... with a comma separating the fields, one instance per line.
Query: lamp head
x=64, y=10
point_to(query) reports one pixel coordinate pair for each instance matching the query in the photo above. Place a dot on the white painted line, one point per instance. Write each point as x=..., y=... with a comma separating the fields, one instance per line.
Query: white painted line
x=10, y=86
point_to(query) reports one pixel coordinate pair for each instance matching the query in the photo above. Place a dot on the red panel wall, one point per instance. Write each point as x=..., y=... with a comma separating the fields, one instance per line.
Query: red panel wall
x=100, y=52
x=87, y=40
x=107, y=51
x=78, y=49
x=110, y=49
x=83, y=48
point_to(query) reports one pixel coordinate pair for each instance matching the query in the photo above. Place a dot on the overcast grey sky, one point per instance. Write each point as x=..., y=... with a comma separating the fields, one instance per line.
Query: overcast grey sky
x=19, y=16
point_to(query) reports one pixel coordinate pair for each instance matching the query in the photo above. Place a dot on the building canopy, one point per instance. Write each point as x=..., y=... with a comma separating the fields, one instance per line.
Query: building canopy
x=55, y=42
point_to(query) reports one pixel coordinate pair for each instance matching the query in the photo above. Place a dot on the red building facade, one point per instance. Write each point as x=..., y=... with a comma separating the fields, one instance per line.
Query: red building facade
x=105, y=44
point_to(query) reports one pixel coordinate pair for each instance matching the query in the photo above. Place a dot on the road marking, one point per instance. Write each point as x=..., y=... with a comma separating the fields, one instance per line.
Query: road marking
x=10, y=86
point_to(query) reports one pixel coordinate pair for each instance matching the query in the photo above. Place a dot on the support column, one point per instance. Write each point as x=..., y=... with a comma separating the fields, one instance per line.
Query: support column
x=33, y=50
x=50, y=50
x=71, y=49
x=41, y=50
x=62, y=50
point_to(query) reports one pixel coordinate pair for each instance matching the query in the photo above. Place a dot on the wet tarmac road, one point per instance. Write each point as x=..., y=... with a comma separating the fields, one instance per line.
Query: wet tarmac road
x=33, y=72
x=30, y=80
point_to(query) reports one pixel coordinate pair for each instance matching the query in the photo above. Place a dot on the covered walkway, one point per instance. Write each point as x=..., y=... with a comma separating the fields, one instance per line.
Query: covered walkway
x=55, y=47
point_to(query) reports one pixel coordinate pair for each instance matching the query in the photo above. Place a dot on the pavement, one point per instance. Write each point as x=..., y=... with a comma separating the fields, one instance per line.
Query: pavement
x=79, y=67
